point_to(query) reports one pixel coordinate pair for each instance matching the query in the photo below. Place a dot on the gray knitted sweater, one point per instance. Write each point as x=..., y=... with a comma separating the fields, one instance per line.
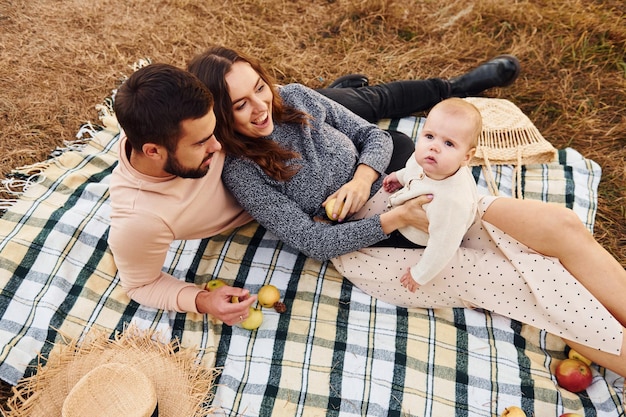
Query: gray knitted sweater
x=331, y=148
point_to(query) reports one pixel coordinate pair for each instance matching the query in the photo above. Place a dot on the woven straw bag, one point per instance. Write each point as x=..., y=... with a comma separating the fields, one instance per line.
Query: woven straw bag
x=508, y=138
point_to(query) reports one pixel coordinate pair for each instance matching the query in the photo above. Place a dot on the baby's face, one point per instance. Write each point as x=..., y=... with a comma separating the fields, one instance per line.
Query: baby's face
x=444, y=144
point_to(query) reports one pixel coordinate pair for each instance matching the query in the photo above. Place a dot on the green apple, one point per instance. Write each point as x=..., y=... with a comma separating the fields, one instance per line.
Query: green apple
x=329, y=209
x=513, y=411
x=254, y=319
x=214, y=284
x=268, y=295
x=573, y=375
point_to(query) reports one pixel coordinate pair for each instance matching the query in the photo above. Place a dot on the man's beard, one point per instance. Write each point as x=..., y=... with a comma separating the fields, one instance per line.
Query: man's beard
x=172, y=166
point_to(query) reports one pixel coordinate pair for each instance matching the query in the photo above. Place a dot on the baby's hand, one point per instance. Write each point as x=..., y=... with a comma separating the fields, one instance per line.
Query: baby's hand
x=408, y=282
x=391, y=183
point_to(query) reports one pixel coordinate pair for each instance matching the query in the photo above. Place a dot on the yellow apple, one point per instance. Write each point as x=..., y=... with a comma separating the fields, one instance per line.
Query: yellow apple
x=254, y=319
x=329, y=209
x=214, y=284
x=513, y=411
x=268, y=295
x=575, y=355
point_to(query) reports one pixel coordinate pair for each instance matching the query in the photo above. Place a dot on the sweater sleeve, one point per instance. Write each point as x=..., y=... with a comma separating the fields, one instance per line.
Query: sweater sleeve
x=284, y=217
x=139, y=243
x=450, y=214
x=373, y=144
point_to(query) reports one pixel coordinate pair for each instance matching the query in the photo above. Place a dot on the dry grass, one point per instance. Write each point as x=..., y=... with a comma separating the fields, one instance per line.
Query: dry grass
x=58, y=58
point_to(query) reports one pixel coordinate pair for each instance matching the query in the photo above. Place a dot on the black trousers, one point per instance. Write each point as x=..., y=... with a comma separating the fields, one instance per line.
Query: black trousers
x=392, y=100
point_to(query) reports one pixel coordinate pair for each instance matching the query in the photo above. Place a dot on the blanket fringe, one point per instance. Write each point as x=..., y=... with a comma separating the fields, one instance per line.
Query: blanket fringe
x=20, y=179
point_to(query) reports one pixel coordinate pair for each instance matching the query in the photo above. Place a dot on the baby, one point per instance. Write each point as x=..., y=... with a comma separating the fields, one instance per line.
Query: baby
x=439, y=166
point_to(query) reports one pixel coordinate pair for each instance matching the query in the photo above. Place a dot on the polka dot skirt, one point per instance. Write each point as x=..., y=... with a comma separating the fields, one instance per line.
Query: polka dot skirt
x=492, y=271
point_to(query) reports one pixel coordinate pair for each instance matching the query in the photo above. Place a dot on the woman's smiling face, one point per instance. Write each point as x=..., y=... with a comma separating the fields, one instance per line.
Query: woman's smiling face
x=252, y=101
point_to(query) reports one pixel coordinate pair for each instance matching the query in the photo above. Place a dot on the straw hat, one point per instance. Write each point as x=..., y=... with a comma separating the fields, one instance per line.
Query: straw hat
x=131, y=375
x=508, y=138
x=113, y=389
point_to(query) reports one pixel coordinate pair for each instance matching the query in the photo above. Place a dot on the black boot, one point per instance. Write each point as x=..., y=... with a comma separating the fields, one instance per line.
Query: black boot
x=499, y=72
x=350, y=81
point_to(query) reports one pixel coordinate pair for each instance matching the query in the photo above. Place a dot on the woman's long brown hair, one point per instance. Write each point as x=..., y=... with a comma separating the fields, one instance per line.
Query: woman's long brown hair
x=211, y=68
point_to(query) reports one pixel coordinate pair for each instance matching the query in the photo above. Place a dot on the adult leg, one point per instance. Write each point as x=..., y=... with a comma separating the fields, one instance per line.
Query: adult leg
x=391, y=100
x=557, y=232
x=402, y=98
x=495, y=272
x=403, y=148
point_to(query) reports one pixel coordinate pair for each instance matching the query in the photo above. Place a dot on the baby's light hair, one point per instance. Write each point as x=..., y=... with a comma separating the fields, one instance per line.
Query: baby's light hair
x=458, y=106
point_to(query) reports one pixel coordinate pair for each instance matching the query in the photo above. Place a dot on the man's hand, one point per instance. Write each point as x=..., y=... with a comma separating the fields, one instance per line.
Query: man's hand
x=218, y=304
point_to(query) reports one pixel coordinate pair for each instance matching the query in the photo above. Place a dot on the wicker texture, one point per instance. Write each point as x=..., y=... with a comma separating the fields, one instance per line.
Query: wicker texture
x=508, y=138
x=183, y=388
x=113, y=389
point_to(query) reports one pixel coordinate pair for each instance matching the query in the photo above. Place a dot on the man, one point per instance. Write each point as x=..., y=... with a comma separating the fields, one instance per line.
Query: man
x=167, y=187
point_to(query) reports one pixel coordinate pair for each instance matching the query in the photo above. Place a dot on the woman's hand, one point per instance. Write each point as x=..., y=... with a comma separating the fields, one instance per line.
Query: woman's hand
x=411, y=213
x=415, y=215
x=353, y=194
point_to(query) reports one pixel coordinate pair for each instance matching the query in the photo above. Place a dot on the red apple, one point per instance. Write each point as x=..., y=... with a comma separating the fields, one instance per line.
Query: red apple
x=573, y=375
x=570, y=415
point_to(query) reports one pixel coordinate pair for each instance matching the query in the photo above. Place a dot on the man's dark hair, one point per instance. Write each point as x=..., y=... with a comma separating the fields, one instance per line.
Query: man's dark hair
x=151, y=104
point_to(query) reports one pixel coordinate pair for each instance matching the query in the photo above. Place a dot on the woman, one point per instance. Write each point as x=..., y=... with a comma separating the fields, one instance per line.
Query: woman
x=291, y=150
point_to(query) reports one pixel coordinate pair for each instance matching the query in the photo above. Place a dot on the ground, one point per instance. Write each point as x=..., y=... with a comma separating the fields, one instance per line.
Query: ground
x=59, y=58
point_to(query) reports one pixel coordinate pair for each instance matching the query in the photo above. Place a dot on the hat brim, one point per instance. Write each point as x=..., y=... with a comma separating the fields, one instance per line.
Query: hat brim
x=183, y=387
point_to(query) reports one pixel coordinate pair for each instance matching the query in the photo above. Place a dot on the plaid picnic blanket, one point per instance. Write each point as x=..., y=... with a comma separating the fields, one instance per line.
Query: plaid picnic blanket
x=335, y=351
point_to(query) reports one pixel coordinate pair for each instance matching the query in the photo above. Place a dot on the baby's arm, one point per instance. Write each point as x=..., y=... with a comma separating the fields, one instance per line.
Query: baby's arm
x=449, y=221
x=391, y=183
x=451, y=212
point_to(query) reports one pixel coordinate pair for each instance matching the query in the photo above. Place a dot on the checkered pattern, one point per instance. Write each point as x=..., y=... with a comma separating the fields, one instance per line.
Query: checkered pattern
x=334, y=352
